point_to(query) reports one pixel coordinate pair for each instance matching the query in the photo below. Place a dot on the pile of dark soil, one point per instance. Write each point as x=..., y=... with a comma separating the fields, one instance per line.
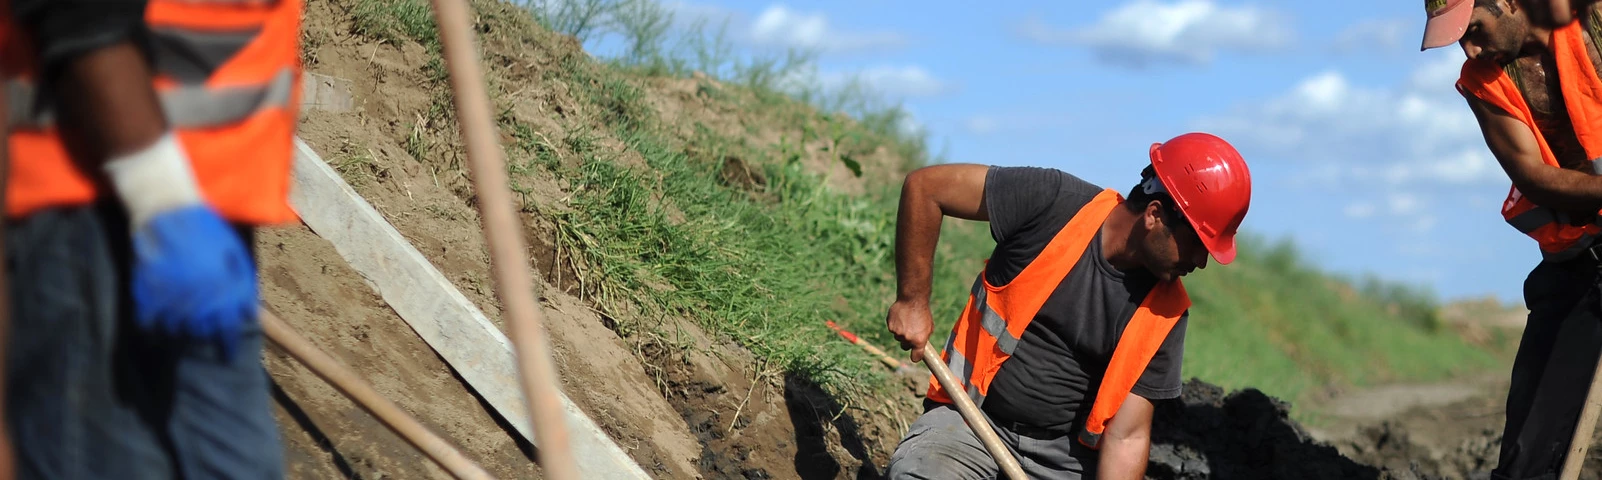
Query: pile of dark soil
x=1208, y=434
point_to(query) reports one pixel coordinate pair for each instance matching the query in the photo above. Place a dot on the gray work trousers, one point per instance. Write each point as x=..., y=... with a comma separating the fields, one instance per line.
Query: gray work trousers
x=941, y=446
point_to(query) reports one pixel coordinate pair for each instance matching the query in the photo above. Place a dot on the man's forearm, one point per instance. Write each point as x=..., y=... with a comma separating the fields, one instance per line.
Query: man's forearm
x=917, y=232
x=1123, y=459
x=1563, y=189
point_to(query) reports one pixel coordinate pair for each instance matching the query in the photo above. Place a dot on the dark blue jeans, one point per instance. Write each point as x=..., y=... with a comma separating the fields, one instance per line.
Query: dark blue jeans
x=91, y=396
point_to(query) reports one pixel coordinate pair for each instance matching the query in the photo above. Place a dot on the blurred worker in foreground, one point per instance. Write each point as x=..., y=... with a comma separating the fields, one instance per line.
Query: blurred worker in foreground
x=1078, y=320
x=1531, y=80
x=144, y=142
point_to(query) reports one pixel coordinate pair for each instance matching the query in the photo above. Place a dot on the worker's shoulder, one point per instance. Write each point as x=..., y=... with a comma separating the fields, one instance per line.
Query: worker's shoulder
x=1043, y=176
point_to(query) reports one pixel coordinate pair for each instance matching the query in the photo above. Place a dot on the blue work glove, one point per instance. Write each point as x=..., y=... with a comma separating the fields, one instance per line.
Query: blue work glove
x=193, y=277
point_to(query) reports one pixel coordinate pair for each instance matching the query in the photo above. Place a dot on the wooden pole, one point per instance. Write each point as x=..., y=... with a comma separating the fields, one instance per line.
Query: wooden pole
x=359, y=391
x=508, y=259
x=970, y=412
x=1585, y=429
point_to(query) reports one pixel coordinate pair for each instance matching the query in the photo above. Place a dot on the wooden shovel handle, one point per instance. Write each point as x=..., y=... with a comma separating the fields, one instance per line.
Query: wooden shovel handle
x=514, y=286
x=970, y=412
x=359, y=391
x=1585, y=429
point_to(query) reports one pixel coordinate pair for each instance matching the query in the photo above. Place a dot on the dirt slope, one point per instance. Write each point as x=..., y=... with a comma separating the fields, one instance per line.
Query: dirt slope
x=1453, y=436
x=705, y=412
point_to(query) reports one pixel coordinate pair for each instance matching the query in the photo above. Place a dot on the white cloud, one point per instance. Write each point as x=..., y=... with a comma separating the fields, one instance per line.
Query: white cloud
x=779, y=26
x=1144, y=32
x=1419, y=132
x=1360, y=210
x=1404, y=203
x=1396, y=153
x=1014, y=122
x=981, y=125
x=689, y=13
x=1438, y=73
x=897, y=81
x=1374, y=35
x=1411, y=205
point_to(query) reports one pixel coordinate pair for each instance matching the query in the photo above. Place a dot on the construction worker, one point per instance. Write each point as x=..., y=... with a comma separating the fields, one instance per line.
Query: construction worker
x=145, y=141
x=1077, y=322
x=1532, y=84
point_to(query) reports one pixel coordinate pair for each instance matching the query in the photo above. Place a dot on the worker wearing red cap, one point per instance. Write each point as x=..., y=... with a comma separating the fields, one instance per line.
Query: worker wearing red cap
x=1077, y=322
x=1531, y=80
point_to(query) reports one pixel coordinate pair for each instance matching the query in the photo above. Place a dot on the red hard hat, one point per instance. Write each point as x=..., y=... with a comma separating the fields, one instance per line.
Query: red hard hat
x=1209, y=182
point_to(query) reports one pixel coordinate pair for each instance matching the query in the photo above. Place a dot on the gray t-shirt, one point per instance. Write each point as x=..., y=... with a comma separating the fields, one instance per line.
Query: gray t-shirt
x=1051, y=380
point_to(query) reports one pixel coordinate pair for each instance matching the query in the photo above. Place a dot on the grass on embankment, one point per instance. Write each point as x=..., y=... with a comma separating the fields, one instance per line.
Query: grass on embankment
x=1273, y=322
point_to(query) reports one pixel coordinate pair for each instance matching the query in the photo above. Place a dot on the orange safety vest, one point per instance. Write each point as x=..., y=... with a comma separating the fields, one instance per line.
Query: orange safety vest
x=227, y=73
x=1559, y=236
x=995, y=318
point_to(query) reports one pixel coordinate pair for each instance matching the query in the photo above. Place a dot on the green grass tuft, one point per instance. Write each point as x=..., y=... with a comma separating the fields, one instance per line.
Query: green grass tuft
x=395, y=21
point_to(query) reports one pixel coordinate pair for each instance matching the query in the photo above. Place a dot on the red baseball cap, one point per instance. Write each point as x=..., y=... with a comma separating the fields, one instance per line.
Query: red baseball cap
x=1447, y=22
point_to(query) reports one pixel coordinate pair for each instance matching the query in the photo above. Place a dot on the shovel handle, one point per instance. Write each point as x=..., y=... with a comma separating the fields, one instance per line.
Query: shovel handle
x=1585, y=429
x=970, y=412
x=345, y=380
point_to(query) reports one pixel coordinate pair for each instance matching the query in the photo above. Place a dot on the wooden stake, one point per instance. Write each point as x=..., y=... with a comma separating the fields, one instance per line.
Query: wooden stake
x=970, y=412
x=343, y=379
x=508, y=258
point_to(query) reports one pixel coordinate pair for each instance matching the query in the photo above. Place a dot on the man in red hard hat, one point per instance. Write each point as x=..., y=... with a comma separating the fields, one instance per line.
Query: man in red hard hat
x=1531, y=80
x=1078, y=321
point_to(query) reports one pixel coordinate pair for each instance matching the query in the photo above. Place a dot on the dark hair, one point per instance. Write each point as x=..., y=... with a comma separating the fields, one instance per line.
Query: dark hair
x=1138, y=198
x=1493, y=6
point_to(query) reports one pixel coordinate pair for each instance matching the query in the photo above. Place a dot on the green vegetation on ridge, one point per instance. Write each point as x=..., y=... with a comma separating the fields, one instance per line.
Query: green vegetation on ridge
x=766, y=260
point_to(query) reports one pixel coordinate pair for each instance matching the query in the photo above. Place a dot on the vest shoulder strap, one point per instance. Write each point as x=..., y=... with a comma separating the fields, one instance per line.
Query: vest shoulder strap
x=1144, y=335
x=1028, y=291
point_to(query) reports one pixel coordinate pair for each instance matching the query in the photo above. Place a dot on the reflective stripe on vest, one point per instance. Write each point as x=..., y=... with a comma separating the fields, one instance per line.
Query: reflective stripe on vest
x=227, y=76
x=988, y=332
x=1558, y=236
x=186, y=106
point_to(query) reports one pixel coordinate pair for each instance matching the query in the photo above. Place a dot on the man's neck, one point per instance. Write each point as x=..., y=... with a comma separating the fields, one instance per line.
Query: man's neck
x=1115, y=233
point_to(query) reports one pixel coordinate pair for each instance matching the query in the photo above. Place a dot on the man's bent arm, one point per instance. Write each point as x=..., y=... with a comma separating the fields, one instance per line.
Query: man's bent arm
x=1517, y=149
x=1127, y=441
x=927, y=195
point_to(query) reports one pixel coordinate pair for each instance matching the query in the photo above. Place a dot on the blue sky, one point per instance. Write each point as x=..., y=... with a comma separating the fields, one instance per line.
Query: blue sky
x=1359, y=148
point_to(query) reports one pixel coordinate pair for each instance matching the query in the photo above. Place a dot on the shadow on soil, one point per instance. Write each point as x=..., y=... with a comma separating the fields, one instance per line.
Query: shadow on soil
x=816, y=415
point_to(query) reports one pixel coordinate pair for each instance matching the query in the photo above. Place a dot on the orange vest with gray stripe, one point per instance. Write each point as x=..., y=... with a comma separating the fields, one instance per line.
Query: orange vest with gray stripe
x=1559, y=236
x=228, y=75
x=996, y=317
